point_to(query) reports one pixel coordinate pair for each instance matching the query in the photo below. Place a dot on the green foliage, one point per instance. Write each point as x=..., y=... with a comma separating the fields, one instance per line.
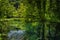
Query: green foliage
x=34, y=16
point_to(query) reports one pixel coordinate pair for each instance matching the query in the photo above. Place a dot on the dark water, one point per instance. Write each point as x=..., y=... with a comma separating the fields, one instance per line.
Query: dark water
x=16, y=35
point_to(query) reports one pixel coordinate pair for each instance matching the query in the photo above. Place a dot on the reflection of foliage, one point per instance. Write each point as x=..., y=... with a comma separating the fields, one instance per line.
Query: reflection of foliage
x=29, y=16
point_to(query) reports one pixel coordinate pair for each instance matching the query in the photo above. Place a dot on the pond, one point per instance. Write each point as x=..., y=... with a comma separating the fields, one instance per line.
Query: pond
x=16, y=35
